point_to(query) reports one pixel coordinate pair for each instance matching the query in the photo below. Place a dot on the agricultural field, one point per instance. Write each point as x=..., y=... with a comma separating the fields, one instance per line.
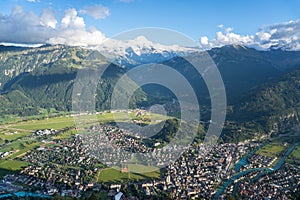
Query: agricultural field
x=294, y=158
x=12, y=164
x=16, y=139
x=114, y=175
x=48, y=123
x=9, y=135
x=68, y=121
x=296, y=153
x=273, y=149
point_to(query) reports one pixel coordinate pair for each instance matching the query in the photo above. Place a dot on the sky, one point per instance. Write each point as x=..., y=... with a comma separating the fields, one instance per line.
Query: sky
x=260, y=23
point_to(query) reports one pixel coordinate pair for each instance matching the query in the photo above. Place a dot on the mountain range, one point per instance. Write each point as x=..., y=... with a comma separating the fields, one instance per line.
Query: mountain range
x=261, y=86
x=140, y=50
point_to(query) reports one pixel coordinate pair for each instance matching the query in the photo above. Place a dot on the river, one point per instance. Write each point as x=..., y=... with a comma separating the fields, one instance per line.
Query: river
x=25, y=194
x=265, y=170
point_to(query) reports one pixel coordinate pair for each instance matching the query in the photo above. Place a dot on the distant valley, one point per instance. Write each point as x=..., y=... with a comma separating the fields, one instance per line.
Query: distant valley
x=261, y=86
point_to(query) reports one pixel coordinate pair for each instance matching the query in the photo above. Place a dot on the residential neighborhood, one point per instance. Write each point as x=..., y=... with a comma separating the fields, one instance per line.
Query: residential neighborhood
x=71, y=167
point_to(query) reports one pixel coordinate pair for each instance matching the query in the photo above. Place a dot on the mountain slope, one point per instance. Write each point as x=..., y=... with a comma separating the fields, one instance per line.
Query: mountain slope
x=15, y=62
x=272, y=108
x=140, y=50
x=245, y=68
x=241, y=69
x=46, y=81
x=42, y=78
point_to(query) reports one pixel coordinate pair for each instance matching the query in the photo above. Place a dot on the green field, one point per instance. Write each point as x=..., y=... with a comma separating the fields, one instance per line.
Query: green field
x=12, y=164
x=295, y=156
x=66, y=134
x=20, y=147
x=10, y=136
x=68, y=121
x=296, y=153
x=114, y=175
x=17, y=137
x=273, y=149
x=55, y=123
x=22, y=130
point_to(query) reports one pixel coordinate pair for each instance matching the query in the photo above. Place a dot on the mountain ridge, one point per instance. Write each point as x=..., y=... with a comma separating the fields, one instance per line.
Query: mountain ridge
x=272, y=108
x=42, y=78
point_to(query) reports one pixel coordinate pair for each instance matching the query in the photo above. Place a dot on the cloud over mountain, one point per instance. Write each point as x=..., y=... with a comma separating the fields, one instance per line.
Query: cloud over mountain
x=70, y=29
x=73, y=32
x=48, y=18
x=283, y=35
x=27, y=27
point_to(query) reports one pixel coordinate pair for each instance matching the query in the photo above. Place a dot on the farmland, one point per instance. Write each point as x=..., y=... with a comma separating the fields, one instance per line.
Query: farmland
x=16, y=138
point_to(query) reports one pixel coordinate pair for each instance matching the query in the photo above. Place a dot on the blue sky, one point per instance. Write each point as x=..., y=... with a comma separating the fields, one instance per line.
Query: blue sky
x=194, y=18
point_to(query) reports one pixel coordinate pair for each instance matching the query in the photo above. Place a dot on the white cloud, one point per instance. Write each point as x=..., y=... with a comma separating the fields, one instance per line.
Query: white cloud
x=261, y=36
x=23, y=27
x=71, y=20
x=20, y=45
x=78, y=37
x=226, y=37
x=48, y=18
x=204, y=40
x=98, y=11
x=229, y=29
x=283, y=35
x=33, y=1
x=73, y=32
x=27, y=27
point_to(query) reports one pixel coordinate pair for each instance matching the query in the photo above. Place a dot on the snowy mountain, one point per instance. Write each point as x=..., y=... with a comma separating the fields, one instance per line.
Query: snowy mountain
x=140, y=50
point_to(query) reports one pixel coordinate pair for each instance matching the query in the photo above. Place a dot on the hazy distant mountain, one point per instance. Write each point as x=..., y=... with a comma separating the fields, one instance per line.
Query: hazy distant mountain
x=33, y=79
x=43, y=78
x=241, y=69
x=140, y=50
x=271, y=108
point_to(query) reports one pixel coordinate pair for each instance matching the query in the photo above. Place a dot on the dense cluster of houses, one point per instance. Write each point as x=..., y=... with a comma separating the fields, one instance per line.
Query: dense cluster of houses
x=111, y=145
x=65, y=162
x=282, y=184
x=13, y=183
x=70, y=167
x=258, y=161
x=197, y=173
x=114, y=146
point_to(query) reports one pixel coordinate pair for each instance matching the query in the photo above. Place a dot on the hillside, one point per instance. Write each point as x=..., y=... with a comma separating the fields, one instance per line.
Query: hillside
x=271, y=108
x=43, y=78
x=241, y=68
x=262, y=96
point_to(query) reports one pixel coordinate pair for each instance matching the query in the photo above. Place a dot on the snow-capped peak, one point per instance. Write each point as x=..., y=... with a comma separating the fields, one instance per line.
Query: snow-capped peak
x=140, y=50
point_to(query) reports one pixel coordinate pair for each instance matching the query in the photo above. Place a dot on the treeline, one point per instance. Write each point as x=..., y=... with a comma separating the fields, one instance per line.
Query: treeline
x=273, y=107
x=51, y=89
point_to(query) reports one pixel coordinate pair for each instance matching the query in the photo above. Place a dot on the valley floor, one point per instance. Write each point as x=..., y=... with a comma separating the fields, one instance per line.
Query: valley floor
x=47, y=158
